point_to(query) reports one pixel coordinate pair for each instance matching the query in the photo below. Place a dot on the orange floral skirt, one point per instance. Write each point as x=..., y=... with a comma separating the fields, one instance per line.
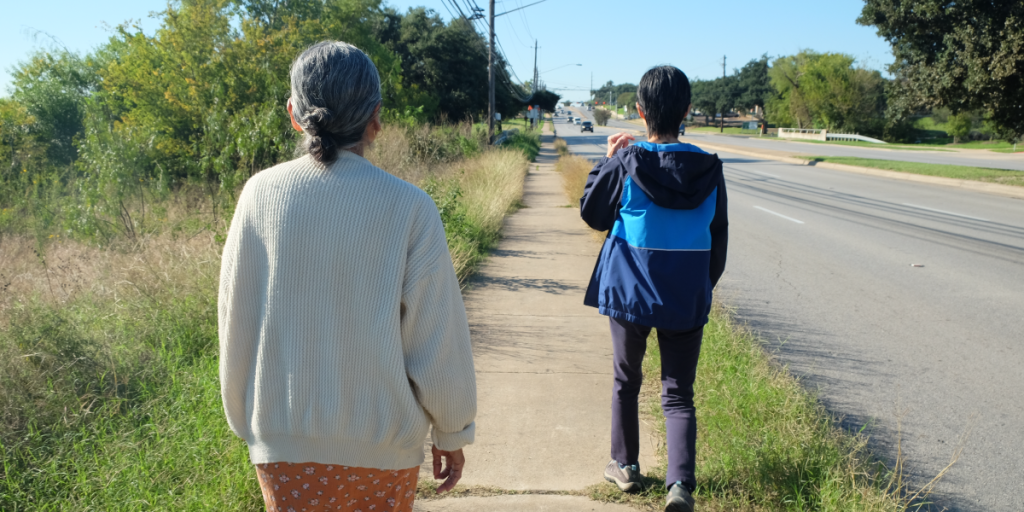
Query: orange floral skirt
x=312, y=487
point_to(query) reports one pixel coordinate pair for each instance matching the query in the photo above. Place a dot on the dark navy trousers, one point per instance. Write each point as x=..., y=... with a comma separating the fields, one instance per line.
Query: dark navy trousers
x=679, y=353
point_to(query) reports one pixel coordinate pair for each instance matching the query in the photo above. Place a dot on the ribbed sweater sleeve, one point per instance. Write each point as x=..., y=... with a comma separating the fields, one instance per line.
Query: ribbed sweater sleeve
x=435, y=335
x=238, y=308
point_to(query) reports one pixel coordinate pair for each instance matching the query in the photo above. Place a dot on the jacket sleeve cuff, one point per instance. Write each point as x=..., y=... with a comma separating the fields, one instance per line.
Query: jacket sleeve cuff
x=455, y=440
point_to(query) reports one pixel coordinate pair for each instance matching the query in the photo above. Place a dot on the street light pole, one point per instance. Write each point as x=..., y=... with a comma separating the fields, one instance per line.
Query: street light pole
x=490, y=81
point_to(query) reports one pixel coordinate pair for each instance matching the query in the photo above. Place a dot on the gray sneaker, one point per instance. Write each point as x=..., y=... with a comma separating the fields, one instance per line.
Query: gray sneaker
x=678, y=499
x=627, y=478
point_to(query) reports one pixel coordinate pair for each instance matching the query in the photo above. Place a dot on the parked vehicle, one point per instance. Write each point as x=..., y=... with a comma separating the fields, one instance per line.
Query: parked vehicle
x=586, y=126
x=682, y=129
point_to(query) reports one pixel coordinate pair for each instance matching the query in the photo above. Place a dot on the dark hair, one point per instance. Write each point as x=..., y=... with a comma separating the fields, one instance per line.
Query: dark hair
x=335, y=89
x=664, y=96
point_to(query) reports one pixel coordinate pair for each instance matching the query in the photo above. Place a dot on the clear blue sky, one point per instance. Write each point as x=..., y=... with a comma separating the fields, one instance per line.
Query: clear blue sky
x=614, y=40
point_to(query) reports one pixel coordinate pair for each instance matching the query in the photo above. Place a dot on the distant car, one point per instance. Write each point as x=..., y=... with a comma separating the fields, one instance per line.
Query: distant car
x=586, y=126
x=570, y=119
x=576, y=120
x=682, y=129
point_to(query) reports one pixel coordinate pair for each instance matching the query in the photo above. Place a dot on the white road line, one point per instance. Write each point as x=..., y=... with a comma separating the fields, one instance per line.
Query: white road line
x=765, y=174
x=944, y=211
x=780, y=215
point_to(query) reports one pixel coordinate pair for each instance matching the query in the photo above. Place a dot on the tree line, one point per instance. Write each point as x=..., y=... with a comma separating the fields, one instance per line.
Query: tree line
x=202, y=98
x=962, y=62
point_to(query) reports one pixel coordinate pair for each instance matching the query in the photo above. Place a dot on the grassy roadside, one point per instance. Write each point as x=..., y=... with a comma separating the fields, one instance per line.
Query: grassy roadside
x=109, y=388
x=1001, y=176
x=765, y=443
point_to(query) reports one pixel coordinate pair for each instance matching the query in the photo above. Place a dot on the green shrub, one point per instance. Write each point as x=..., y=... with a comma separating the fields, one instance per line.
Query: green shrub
x=601, y=116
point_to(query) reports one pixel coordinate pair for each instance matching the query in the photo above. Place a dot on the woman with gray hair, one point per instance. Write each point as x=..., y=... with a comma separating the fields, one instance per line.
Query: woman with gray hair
x=343, y=336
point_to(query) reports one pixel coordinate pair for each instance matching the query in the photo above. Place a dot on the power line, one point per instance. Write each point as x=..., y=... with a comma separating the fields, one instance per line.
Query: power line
x=522, y=16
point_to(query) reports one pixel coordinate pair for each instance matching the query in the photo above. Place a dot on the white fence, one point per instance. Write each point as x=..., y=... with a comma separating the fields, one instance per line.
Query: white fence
x=823, y=135
x=797, y=133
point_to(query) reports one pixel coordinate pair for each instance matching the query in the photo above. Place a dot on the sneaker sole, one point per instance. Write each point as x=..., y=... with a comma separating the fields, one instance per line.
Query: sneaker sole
x=678, y=505
x=627, y=486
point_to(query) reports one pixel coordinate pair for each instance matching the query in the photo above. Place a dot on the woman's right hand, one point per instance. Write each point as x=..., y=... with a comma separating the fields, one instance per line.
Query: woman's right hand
x=453, y=471
x=618, y=141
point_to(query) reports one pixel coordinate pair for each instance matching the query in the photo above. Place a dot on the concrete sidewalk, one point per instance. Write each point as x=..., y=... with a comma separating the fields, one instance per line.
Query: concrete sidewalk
x=543, y=361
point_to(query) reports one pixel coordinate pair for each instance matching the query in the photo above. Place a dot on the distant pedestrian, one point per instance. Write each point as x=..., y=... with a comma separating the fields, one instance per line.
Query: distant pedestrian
x=664, y=203
x=343, y=336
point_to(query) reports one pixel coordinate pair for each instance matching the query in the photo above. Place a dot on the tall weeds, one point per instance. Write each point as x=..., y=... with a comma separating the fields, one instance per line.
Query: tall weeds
x=574, y=170
x=108, y=374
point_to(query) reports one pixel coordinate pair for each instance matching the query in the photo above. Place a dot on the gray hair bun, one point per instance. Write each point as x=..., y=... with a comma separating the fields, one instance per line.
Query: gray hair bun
x=335, y=90
x=320, y=143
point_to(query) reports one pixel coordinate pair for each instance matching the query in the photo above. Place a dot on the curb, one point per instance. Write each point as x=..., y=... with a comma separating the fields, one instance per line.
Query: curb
x=976, y=186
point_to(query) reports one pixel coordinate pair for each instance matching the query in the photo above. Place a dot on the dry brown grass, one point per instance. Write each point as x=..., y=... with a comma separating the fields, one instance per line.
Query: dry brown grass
x=574, y=170
x=490, y=182
x=561, y=147
x=151, y=266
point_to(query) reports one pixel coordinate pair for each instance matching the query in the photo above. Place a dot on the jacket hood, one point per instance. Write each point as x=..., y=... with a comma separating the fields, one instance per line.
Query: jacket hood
x=680, y=180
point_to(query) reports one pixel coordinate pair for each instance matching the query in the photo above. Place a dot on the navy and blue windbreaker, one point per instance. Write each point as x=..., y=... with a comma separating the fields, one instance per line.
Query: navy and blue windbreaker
x=666, y=209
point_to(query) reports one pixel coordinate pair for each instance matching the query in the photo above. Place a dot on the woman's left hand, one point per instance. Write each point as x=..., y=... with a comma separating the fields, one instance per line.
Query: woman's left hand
x=453, y=471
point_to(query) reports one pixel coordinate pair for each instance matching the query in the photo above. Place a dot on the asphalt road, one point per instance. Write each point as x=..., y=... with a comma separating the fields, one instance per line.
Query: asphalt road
x=820, y=265
x=974, y=158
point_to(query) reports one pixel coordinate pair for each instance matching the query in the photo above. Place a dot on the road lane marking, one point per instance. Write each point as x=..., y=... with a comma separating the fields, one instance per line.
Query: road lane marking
x=944, y=211
x=766, y=174
x=780, y=215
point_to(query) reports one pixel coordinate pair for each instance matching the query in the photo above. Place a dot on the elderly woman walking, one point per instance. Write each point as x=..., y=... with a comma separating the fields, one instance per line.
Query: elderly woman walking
x=343, y=336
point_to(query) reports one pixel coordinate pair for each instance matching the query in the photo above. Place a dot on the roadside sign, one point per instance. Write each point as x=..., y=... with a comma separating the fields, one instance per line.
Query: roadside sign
x=497, y=116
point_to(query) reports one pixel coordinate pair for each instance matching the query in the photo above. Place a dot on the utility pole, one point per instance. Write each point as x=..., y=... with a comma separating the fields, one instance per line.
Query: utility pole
x=721, y=122
x=591, y=86
x=535, y=87
x=490, y=82
x=535, y=75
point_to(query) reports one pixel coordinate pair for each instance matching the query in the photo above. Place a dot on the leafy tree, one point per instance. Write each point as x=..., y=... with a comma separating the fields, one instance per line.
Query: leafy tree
x=717, y=96
x=825, y=90
x=958, y=126
x=963, y=55
x=19, y=149
x=628, y=100
x=546, y=99
x=753, y=85
x=53, y=88
x=567, y=103
x=610, y=91
x=444, y=67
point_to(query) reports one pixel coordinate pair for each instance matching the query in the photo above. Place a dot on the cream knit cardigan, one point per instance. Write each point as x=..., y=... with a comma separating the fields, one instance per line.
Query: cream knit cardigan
x=343, y=336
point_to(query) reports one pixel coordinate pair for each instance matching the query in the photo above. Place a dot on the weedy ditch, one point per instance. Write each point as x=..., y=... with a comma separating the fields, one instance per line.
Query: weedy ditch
x=108, y=343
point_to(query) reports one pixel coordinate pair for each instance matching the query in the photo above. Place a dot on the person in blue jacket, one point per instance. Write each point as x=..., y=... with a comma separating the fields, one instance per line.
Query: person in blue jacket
x=664, y=205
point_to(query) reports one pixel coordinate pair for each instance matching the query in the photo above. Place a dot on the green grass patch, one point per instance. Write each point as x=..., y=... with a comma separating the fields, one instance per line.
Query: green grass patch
x=765, y=444
x=1002, y=176
x=526, y=141
x=521, y=123
x=121, y=409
